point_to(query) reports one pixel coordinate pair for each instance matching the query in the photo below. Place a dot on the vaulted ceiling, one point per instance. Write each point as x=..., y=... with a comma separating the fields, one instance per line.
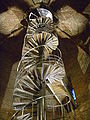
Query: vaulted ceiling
x=73, y=28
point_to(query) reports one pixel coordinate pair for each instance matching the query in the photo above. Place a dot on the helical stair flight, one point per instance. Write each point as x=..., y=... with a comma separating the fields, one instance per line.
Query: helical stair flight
x=39, y=84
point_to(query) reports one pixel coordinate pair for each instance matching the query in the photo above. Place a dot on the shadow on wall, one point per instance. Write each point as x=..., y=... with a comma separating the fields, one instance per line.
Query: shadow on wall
x=10, y=49
x=10, y=52
x=78, y=6
x=4, y=4
x=73, y=69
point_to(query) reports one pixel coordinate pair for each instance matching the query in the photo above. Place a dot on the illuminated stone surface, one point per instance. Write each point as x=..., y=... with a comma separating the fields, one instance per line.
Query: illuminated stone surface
x=10, y=52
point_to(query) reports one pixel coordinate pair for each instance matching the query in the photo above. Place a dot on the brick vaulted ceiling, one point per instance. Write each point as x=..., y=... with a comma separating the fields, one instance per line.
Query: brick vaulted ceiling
x=73, y=30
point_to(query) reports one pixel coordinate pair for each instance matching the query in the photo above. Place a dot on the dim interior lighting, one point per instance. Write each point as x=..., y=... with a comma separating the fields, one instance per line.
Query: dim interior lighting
x=41, y=1
x=41, y=72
